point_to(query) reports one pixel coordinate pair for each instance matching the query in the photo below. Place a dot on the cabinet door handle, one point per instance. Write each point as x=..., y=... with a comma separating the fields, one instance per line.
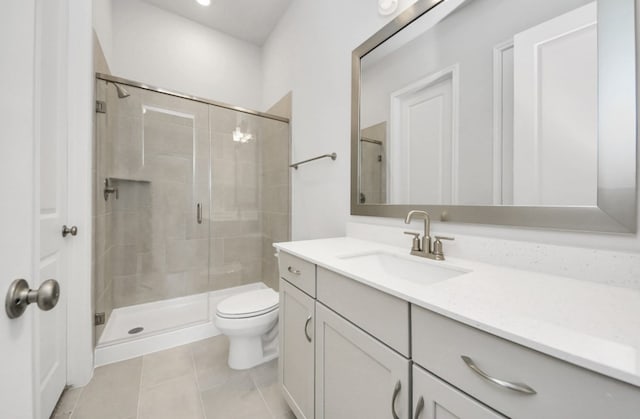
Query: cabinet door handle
x=293, y=271
x=519, y=387
x=306, y=327
x=396, y=392
x=419, y=408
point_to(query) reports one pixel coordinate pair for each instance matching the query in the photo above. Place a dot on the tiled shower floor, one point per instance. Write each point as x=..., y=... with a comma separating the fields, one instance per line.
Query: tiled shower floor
x=187, y=382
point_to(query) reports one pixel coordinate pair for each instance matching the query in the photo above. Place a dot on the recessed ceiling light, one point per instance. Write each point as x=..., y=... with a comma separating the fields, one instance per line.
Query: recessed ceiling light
x=204, y=2
x=386, y=7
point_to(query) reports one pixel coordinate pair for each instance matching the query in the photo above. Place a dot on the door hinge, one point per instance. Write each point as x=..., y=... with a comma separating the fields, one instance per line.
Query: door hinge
x=101, y=106
x=99, y=319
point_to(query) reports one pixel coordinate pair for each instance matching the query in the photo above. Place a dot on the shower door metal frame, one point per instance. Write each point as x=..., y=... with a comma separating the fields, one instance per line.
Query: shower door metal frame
x=132, y=83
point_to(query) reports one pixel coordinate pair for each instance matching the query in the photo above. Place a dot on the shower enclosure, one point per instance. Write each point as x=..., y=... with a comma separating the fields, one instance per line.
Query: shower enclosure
x=189, y=197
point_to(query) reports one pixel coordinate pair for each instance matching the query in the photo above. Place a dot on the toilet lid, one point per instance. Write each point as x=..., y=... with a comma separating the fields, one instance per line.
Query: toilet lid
x=249, y=304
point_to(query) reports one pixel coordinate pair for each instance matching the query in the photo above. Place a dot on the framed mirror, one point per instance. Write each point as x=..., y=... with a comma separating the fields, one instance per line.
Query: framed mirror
x=510, y=112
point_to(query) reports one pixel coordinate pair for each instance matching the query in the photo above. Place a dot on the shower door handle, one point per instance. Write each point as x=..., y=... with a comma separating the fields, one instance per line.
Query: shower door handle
x=199, y=213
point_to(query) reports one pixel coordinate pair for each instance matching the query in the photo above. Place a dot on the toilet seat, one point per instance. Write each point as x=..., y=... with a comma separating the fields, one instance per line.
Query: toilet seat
x=248, y=304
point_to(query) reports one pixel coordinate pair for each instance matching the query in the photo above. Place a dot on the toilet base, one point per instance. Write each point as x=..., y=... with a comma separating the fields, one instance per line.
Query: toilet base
x=253, y=340
x=248, y=351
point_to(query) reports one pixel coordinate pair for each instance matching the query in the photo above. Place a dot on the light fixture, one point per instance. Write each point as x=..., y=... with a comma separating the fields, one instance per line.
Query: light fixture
x=241, y=137
x=386, y=7
x=204, y=2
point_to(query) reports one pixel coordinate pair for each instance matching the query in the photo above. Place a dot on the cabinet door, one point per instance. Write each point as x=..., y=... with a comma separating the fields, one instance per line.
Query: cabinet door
x=435, y=399
x=356, y=375
x=296, y=349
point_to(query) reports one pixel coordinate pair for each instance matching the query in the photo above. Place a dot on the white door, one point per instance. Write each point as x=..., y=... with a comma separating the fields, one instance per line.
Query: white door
x=33, y=205
x=423, y=157
x=50, y=327
x=555, y=141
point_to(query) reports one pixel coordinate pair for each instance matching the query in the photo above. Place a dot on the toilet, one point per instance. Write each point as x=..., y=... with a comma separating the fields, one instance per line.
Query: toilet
x=250, y=320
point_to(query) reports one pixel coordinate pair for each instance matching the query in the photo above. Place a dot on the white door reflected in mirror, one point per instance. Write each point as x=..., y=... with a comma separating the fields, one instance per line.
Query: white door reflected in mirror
x=491, y=103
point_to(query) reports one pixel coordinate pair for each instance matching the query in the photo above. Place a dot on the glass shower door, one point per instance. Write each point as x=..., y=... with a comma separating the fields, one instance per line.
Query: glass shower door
x=153, y=256
x=250, y=197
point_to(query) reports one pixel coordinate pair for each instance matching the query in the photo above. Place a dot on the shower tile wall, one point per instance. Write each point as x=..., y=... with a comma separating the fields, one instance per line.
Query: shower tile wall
x=156, y=249
x=102, y=301
x=101, y=267
x=250, y=197
x=236, y=245
x=275, y=186
x=373, y=185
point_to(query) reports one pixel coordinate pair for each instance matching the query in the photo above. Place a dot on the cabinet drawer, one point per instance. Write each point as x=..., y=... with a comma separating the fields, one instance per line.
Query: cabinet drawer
x=380, y=314
x=297, y=271
x=562, y=390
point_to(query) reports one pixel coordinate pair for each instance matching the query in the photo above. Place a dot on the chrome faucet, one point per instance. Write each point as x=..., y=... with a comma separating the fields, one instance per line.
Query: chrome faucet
x=423, y=247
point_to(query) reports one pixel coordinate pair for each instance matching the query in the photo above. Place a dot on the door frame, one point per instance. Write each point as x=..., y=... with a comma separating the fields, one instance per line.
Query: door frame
x=20, y=141
x=18, y=204
x=80, y=114
x=395, y=125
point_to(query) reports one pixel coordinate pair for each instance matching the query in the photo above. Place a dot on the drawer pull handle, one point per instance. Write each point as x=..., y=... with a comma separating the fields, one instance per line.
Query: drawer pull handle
x=293, y=271
x=396, y=392
x=419, y=408
x=519, y=387
x=306, y=327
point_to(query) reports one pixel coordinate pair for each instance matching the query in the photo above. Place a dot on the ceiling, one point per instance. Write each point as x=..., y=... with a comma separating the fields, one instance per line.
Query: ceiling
x=250, y=20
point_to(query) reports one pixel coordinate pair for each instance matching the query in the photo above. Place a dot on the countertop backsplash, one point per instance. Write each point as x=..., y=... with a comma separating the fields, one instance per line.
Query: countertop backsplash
x=615, y=268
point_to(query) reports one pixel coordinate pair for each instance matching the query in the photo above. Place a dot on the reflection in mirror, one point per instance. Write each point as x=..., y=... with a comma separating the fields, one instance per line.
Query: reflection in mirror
x=373, y=178
x=484, y=102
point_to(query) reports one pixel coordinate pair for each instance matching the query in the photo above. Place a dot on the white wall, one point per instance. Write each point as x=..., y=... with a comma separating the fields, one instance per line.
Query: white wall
x=309, y=53
x=102, y=25
x=162, y=49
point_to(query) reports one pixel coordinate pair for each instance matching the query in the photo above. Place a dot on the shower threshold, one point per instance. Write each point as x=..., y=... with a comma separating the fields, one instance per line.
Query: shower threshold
x=165, y=324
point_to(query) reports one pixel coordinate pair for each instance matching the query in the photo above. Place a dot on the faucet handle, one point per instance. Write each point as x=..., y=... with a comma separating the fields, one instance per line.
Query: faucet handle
x=437, y=247
x=415, y=245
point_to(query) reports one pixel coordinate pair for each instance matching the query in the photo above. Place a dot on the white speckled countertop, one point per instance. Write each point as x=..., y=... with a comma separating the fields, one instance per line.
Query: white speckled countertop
x=588, y=324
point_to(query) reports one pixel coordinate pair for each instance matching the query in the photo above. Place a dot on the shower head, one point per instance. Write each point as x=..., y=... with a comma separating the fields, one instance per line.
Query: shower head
x=122, y=92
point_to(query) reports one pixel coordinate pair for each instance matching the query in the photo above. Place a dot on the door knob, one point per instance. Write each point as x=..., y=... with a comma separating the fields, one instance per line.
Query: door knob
x=20, y=296
x=73, y=230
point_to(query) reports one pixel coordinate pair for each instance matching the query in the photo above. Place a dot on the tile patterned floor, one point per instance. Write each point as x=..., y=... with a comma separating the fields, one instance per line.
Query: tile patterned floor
x=188, y=382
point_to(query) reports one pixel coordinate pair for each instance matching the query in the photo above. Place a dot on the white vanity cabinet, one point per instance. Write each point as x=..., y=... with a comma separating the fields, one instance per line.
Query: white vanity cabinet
x=298, y=272
x=514, y=380
x=435, y=399
x=356, y=375
x=377, y=313
x=296, y=362
x=351, y=350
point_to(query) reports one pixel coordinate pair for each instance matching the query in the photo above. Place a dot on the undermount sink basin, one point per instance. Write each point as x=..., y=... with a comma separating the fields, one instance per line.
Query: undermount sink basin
x=410, y=268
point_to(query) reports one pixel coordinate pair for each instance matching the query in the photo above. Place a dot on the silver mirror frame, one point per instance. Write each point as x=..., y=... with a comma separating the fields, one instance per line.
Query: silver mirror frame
x=616, y=211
